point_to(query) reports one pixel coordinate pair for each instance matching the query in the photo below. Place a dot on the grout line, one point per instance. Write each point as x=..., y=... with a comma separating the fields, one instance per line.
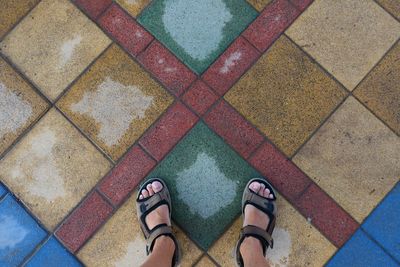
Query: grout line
x=386, y=10
x=212, y=259
x=35, y=250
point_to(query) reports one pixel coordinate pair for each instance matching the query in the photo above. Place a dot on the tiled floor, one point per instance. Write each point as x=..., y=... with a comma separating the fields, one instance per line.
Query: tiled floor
x=98, y=95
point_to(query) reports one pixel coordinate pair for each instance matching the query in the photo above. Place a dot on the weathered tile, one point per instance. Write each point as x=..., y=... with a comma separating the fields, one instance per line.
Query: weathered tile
x=12, y=11
x=355, y=164
x=285, y=95
x=205, y=262
x=259, y=4
x=52, y=168
x=235, y=130
x=84, y=221
x=384, y=225
x=200, y=97
x=393, y=6
x=54, y=44
x=346, y=37
x=134, y=7
x=361, y=251
x=115, y=102
x=296, y=242
x=19, y=233
x=228, y=68
x=270, y=24
x=19, y=105
x=206, y=178
x=53, y=253
x=93, y=7
x=120, y=242
x=197, y=31
x=125, y=30
x=380, y=90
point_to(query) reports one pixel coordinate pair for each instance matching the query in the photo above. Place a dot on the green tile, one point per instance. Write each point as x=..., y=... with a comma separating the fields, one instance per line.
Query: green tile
x=206, y=179
x=197, y=31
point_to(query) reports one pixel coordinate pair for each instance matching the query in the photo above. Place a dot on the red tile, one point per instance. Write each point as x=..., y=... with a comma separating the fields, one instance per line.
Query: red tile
x=301, y=4
x=133, y=37
x=84, y=221
x=200, y=97
x=163, y=136
x=326, y=215
x=228, y=68
x=93, y=7
x=235, y=130
x=127, y=175
x=284, y=175
x=167, y=68
x=269, y=25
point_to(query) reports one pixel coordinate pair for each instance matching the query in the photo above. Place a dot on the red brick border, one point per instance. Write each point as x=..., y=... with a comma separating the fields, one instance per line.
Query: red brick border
x=325, y=214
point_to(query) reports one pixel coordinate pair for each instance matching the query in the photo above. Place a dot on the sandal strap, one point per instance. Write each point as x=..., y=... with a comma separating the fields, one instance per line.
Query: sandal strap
x=159, y=230
x=259, y=233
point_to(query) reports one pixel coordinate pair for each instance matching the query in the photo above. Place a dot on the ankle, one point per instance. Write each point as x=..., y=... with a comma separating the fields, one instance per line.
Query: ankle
x=251, y=249
x=164, y=243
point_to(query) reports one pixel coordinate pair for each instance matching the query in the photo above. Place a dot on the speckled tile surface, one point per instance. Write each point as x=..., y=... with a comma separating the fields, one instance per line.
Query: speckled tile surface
x=285, y=95
x=259, y=4
x=52, y=168
x=20, y=105
x=197, y=31
x=354, y=164
x=115, y=80
x=53, y=45
x=346, y=37
x=393, y=6
x=134, y=7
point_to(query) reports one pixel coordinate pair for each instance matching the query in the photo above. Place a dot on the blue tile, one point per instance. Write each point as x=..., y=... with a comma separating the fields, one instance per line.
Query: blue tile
x=19, y=233
x=384, y=223
x=3, y=190
x=360, y=251
x=53, y=253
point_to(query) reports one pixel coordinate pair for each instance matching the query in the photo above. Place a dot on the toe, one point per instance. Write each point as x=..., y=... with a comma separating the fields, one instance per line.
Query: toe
x=271, y=196
x=141, y=197
x=266, y=192
x=157, y=186
x=150, y=189
x=145, y=193
x=262, y=188
x=255, y=186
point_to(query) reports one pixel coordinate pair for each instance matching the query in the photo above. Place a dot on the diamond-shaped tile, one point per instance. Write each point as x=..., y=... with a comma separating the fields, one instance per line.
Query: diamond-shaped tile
x=115, y=101
x=19, y=105
x=296, y=241
x=206, y=179
x=52, y=168
x=346, y=37
x=54, y=44
x=355, y=164
x=285, y=95
x=121, y=243
x=259, y=4
x=134, y=7
x=19, y=233
x=205, y=262
x=197, y=31
x=380, y=90
x=12, y=11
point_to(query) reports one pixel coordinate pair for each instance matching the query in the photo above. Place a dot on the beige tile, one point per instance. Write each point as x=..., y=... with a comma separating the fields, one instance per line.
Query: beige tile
x=134, y=7
x=346, y=37
x=286, y=95
x=121, y=243
x=20, y=106
x=11, y=11
x=205, y=262
x=54, y=44
x=259, y=4
x=52, y=168
x=393, y=6
x=380, y=90
x=296, y=242
x=354, y=157
x=115, y=101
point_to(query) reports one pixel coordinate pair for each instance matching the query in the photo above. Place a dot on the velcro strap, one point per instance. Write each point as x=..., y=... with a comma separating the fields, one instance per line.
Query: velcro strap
x=160, y=230
x=152, y=201
x=257, y=232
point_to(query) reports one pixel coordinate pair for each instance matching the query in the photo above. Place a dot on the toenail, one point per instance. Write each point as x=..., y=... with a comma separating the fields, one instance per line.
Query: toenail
x=157, y=185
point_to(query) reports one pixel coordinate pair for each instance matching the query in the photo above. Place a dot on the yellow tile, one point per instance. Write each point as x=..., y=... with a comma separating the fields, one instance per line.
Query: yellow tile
x=296, y=242
x=52, y=168
x=20, y=106
x=134, y=7
x=205, y=262
x=11, y=11
x=286, y=95
x=259, y=4
x=346, y=37
x=115, y=102
x=354, y=157
x=54, y=44
x=120, y=242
